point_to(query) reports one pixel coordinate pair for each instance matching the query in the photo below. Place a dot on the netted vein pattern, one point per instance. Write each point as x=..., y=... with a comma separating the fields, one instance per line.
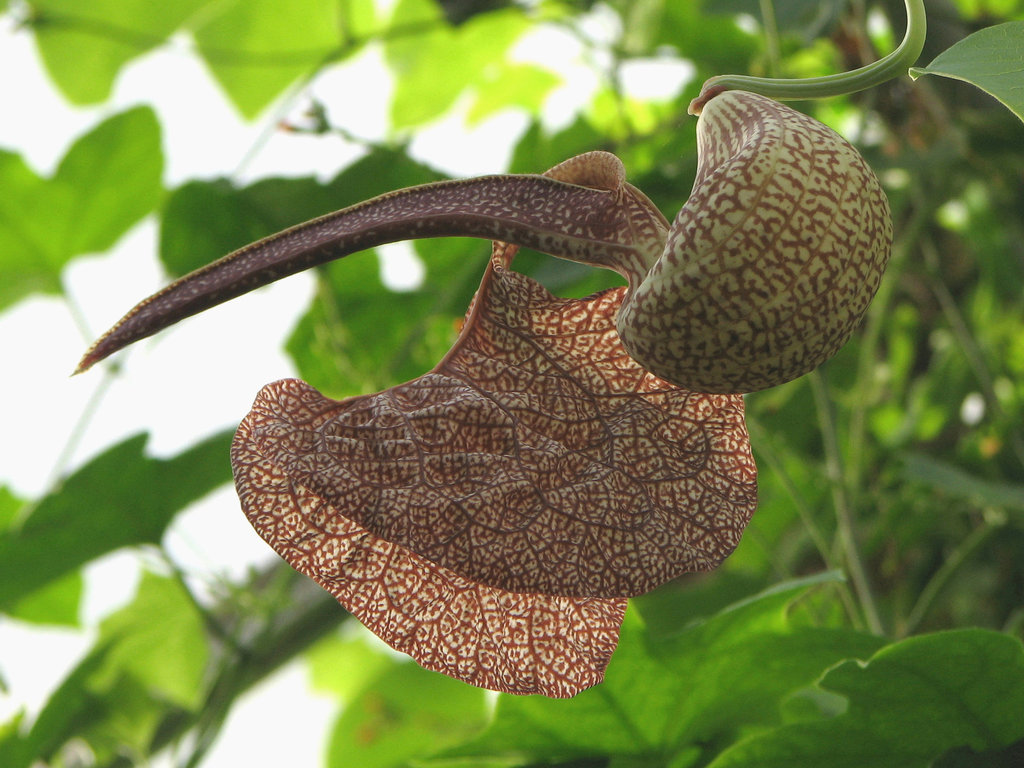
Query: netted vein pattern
x=537, y=457
x=489, y=517
x=505, y=641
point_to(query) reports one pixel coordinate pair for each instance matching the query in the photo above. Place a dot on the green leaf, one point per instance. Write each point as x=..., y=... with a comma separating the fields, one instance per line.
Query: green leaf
x=204, y=220
x=991, y=59
x=538, y=151
x=149, y=656
x=121, y=498
x=664, y=698
x=911, y=703
x=964, y=757
x=84, y=45
x=108, y=180
x=345, y=666
x=434, y=67
x=10, y=506
x=257, y=48
x=406, y=712
x=670, y=608
x=956, y=482
x=24, y=256
x=14, y=752
x=713, y=42
x=69, y=710
x=56, y=603
x=513, y=85
x=158, y=640
x=130, y=716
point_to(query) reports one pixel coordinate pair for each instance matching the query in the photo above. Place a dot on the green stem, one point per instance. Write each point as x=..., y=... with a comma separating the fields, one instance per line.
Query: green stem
x=885, y=69
x=968, y=343
x=305, y=615
x=968, y=547
x=771, y=36
x=766, y=450
x=81, y=424
x=874, y=326
x=841, y=501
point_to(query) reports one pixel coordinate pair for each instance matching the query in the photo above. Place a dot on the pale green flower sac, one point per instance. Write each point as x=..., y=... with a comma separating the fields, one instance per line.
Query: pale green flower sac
x=771, y=264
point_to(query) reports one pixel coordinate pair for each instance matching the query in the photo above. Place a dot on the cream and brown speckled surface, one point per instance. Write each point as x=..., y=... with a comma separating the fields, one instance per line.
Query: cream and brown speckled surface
x=773, y=260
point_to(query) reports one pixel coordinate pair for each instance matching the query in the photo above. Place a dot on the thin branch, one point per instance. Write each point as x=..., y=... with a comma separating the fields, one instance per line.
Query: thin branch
x=878, y=317
x=968, y=343
x=841, y=500
x=308, y=615
x=766, y=449
x=771, y=36
x=967, y=548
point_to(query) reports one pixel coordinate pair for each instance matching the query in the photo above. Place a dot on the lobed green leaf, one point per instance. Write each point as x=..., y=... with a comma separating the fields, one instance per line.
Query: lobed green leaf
x=108, y=180
x=258, y=48
x=158, y=640
x=909, y=704
x=433, y=67
x=150, y=655
x=121, y=498
x=69, y=710
x=516, y=85
x=404, y=713
x=85, y=45
x=948, y=478
x=683, y=695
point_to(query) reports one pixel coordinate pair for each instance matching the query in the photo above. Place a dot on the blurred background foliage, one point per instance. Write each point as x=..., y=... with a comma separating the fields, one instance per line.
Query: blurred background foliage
x=891, y=520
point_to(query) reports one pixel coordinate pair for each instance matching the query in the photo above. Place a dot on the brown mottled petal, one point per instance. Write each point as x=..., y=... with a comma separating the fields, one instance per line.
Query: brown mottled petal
x=536, y=457
x=597, y=219
x=505, y=641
